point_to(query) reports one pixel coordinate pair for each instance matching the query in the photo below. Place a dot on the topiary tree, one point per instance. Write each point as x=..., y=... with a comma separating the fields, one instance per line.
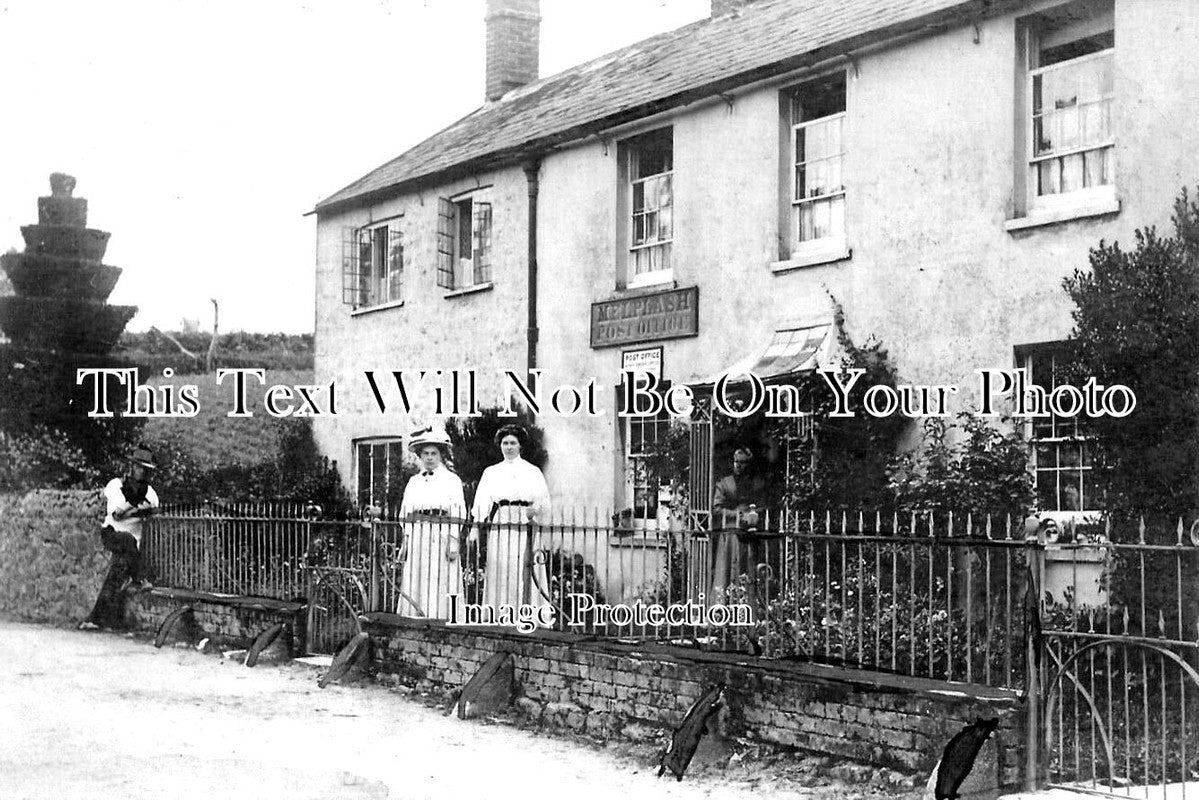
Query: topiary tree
x=1136, y=323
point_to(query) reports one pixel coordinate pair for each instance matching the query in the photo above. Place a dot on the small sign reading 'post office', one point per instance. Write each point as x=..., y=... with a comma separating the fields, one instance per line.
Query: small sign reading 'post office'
x=645, y=318
x=647, y=360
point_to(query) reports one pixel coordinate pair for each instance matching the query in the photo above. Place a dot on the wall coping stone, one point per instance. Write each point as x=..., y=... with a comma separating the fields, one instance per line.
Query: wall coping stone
x=240, y=601
x=381, y=622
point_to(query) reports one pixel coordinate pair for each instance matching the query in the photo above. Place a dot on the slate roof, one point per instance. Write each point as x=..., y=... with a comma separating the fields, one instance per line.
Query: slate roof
x=763, y=39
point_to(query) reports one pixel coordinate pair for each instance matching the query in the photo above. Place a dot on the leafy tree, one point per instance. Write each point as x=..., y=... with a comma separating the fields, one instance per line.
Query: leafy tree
x=1136, y=323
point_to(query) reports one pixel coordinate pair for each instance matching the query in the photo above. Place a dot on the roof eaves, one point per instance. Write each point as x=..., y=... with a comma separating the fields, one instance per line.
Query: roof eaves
x=924, y=24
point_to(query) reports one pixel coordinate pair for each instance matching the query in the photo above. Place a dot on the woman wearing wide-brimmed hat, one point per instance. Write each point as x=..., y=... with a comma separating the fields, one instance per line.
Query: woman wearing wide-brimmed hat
x=512, y=494
x=432, y=509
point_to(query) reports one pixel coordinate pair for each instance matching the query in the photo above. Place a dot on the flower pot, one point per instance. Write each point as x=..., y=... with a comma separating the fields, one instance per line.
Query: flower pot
x=1076, y=572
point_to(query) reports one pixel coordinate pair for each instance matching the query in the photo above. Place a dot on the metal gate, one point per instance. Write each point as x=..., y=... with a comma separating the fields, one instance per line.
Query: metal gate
x=342, y=585
x=1119, y=710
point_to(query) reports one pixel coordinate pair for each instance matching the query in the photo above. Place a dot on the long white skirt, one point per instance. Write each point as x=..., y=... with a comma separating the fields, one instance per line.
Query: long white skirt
x=508, y=579
x=429, y=577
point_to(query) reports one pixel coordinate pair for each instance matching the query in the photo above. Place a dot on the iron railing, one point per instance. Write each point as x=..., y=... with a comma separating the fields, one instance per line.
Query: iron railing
x=1102, y=637
x=1120, y=692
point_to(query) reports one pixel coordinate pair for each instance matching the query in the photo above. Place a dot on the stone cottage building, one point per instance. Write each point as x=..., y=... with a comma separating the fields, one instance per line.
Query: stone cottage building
x=707, y=198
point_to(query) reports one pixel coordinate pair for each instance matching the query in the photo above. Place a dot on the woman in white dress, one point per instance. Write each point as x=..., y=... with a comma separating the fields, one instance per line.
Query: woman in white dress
x=512, y=494
x=432, y=511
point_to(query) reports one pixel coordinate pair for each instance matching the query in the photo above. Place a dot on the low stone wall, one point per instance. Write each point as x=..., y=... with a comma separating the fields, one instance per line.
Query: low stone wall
x=639, y=692
x=232, y=621
x=51, y=560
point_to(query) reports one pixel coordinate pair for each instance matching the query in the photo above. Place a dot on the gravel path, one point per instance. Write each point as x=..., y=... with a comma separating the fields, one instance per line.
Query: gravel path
x=98, y=715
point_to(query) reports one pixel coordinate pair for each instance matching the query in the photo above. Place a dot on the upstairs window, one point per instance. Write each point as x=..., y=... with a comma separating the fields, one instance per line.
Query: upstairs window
x=1070, y=94
x=650, y=201
x=372, y=263
x=817, y=163
x=463, y=243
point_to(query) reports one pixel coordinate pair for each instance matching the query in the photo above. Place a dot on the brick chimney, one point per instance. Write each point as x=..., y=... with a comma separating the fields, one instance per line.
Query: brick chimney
x=513, y=33
x=722, y=7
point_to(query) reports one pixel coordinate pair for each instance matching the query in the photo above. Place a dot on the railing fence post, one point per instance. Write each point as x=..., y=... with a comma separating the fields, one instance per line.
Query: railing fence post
x=1033, y=644
x=374, y=602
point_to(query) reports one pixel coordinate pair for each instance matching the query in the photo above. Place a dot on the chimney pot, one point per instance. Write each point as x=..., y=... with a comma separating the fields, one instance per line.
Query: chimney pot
x=722, y=8
x=513, y=45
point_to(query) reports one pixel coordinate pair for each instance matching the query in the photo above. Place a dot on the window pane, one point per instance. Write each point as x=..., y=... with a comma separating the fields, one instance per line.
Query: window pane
x=638, y=197
x=815, y=141
x=835, y=181
x=807, y=230
x=1090, y=492
x=664, y=190
x=1071, y=173
x=821, y=218
x=1070, y=482
x=817, y=179
x=1048, y=177
x=1047, y=490
x=364, y=474
x=664, y=223
x=837, y=216
x=1046, y=456
x=378, y=474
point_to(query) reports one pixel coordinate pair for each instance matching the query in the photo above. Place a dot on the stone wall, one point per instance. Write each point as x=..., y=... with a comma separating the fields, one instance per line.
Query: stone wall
x=51, y=560
x=233, y=621
x=640, y=692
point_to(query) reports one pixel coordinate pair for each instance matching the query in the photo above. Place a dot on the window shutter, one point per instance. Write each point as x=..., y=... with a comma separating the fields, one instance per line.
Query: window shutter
x=482, y=242
x=445, y=243
x=395, y=262
x=366, y=268
x=349, y=266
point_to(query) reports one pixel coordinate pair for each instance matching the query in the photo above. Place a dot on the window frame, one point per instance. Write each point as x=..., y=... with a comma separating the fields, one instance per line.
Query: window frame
x=1102, y=198
x=630, y=150
x=794, y=251
x=453, y=269
x=394, y=455
x=380, y=283
x=1065, y=432
x=798, y=245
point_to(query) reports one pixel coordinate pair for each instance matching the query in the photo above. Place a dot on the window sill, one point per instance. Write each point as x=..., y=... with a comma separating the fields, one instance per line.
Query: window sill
x=815, y=257
x=357, y=312
x=478, y=287
x=651, y=283
x=1040, y=217
x=623, y=292
x=647, y=538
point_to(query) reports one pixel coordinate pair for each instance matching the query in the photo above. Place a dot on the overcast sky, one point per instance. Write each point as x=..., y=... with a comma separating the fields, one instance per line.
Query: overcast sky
x=201, y=132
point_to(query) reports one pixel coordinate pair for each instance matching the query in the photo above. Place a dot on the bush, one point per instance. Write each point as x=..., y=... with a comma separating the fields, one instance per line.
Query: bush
x=1136, y=323
x=984, y=472
x=43, y=458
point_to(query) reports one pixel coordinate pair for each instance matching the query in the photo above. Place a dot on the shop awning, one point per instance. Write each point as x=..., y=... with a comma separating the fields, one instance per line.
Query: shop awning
x=793, y=349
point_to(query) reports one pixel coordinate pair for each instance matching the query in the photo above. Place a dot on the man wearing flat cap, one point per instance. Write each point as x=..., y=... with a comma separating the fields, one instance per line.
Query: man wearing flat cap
x=129, y=500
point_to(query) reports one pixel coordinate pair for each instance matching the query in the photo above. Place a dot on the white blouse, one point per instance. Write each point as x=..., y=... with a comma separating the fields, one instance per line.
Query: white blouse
x=440, y=490
x=512, y=480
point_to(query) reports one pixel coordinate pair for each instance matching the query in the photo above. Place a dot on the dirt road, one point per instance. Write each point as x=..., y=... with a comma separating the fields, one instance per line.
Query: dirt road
x=87, y=715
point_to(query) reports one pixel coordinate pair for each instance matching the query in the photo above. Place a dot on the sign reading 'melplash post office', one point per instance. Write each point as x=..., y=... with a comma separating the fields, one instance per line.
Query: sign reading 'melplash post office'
x=645, y=318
